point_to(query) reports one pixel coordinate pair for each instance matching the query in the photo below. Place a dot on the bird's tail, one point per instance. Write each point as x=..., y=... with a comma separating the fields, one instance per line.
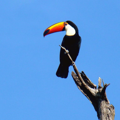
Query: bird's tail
x=62, y=71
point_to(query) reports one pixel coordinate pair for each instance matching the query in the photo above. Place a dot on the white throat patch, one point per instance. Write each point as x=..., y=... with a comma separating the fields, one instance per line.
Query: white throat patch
x=70, y=31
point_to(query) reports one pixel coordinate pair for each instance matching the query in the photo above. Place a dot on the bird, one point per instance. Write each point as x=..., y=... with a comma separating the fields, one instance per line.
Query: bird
x=72, y=43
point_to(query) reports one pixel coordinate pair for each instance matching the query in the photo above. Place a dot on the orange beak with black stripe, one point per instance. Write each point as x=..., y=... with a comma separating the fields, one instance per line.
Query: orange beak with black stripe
x=71, y=41
x=55, y=28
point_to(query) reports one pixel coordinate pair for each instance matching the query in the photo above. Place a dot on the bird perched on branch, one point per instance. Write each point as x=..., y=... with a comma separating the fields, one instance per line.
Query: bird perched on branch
x=71, y=42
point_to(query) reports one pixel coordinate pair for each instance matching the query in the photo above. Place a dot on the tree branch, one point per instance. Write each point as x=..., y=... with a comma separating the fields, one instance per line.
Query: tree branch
x=97, y=96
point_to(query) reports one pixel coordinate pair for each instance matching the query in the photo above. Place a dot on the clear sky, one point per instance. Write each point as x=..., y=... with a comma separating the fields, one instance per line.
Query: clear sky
x=29, y=88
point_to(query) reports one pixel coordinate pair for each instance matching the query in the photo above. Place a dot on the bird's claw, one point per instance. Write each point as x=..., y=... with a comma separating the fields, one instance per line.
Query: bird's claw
x=73, y=63
x=67, y=51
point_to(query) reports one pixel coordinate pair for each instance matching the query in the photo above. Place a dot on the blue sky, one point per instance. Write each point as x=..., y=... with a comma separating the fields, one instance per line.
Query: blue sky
x=29, y=88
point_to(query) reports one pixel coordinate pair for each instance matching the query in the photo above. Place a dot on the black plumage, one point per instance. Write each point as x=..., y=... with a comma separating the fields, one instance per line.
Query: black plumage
x=72, y=44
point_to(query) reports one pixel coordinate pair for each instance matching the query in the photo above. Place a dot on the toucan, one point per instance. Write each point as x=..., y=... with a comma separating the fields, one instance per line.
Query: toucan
x=71, y=42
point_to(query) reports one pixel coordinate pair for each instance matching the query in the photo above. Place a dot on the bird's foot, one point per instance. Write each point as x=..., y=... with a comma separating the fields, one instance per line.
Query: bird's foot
x=73, y=63
x=67, y=51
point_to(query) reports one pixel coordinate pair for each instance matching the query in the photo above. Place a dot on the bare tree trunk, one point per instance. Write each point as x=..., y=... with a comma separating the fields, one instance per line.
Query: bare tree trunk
x=97, y=96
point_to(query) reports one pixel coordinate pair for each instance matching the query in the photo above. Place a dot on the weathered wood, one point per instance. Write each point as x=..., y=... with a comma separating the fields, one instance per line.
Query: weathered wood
x=97, y=96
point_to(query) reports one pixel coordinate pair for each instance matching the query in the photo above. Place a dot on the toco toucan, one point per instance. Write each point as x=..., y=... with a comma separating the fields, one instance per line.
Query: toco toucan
x=71, y=42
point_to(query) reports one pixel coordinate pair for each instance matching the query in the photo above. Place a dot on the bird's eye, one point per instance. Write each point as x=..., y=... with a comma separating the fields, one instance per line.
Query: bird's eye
x=65, y=24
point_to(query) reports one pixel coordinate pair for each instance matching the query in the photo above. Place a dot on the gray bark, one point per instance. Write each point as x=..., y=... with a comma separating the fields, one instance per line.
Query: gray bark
x=97, y=96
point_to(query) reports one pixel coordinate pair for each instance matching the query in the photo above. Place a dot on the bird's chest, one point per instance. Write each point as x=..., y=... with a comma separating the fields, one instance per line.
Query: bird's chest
x=69, y=42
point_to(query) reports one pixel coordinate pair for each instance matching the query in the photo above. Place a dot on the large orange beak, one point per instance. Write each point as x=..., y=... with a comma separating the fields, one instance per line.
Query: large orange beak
x=55, y=28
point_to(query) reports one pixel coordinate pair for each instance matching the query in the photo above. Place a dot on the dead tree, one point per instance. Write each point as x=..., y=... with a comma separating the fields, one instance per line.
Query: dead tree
x=97, y=96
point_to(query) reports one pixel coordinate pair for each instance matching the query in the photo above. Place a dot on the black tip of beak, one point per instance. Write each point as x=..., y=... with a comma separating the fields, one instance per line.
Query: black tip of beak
x=46, y=32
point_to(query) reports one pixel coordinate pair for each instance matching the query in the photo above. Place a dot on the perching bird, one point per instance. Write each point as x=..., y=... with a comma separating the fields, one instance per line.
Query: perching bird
x=71, y=42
